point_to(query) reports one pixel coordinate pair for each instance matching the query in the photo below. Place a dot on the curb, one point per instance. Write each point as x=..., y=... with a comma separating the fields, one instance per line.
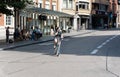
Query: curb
x=21, y=45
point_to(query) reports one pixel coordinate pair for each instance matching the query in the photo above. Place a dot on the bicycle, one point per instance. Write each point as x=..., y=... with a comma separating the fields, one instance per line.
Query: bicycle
x=57, y=43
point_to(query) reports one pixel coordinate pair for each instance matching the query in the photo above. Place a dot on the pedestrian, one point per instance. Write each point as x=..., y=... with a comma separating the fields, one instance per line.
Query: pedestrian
x=7, y=34
x=31, y=33
x=52, y=31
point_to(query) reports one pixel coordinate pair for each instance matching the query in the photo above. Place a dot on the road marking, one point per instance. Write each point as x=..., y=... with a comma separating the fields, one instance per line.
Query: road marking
x=111, y=38
x=103, y=43
x=100, y=46
x=108, y=40
x=1, y=49
x=94, y=51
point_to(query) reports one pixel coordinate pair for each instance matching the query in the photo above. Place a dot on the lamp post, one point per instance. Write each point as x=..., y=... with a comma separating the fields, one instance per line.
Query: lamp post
x=112, y=13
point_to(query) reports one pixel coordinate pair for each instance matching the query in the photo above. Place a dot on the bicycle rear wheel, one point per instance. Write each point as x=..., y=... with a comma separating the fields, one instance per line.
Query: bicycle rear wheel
x=58, y=48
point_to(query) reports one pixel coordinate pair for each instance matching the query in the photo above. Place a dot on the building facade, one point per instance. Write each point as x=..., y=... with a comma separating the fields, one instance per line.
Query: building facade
x=67, y=6
x=6, y=21
x=100, y=13
x=118, y=14
x=83, y=14
x=113, y=10
x=80, y=9
x=50, y=9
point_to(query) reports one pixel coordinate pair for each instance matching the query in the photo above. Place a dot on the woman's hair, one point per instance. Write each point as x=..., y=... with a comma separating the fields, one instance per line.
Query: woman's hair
x=56, y=29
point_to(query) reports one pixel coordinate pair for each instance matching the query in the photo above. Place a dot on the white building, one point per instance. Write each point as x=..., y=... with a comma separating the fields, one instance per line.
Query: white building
x=6, y=21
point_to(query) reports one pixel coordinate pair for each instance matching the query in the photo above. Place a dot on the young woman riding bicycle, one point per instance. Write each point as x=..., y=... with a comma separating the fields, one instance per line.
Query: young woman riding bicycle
x=57, y=41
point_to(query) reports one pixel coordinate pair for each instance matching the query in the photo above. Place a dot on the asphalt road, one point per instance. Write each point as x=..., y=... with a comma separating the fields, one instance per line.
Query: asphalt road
x=96, y=54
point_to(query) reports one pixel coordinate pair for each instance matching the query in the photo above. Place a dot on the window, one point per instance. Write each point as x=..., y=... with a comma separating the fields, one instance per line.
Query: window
x=8, y=20
x=47, y=6
x=76, y=6
x=53, y=7
x=102, y=7
x=68, y=4
x=40, y=5
x=64, y=3
x=83, y=5
x=118, y=2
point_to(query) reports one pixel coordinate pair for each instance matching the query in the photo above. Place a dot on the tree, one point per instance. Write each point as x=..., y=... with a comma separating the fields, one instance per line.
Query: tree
x=16, y=4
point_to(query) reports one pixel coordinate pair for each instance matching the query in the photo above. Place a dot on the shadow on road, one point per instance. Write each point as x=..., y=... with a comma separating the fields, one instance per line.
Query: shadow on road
x=77, y=45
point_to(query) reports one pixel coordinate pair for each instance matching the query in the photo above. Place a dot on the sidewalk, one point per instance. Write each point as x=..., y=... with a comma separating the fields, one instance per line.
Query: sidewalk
x=4, y=46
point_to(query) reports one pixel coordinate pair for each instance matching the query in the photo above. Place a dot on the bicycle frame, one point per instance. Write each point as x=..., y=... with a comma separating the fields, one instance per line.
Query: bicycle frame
x=57, y=43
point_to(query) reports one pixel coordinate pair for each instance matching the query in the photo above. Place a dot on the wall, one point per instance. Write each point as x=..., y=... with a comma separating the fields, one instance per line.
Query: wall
x=1, y=20
x=2, y=27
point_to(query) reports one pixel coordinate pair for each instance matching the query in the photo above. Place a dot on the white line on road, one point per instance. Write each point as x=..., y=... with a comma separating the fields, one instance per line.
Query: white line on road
x=103, y=43
x=108, y=40
x=100, y=46
x=94, y=51
x=111, y=38
x=1, y=49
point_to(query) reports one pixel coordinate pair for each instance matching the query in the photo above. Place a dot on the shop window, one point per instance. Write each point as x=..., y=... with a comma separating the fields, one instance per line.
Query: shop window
x=42, y=17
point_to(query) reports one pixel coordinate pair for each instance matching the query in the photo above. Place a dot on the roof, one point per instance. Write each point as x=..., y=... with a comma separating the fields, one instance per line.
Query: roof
x=48, y=12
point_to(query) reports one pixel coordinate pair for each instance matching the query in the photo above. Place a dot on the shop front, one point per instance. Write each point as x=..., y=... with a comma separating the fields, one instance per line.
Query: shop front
x=99, y=21
x=46, y=19
x=82, y=22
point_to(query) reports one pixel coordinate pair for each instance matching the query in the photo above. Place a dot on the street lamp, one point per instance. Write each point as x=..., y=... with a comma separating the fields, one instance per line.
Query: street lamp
x=114, y=13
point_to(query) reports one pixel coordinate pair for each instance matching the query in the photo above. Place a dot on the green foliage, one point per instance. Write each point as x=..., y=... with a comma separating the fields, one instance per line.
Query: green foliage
x=16, y=4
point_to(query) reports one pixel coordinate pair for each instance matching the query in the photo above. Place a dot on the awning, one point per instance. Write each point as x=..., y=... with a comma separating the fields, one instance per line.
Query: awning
x=48, y=12
x=85, y=16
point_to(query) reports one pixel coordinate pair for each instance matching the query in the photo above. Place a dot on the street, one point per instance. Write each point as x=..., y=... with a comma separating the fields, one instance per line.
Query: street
x=96, y=54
